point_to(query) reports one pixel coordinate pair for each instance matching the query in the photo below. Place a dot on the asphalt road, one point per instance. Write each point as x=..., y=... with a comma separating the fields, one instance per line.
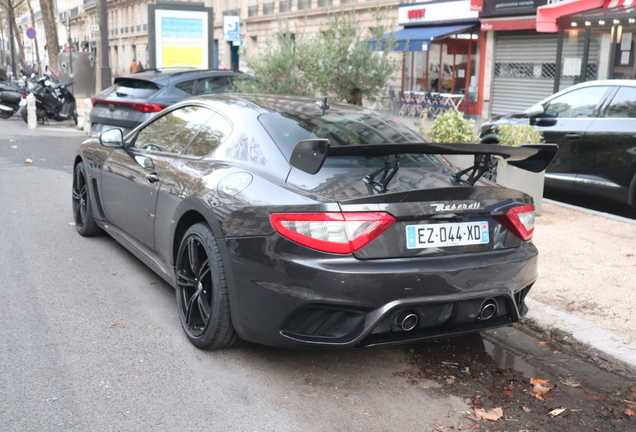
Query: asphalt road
x=90, y=341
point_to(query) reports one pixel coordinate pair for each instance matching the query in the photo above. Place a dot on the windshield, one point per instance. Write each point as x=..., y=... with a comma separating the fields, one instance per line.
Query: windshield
x=344, y=129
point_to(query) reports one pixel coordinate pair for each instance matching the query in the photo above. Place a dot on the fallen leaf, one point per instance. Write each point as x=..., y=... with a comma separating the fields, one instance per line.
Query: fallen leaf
x=11, y=141
x=508, y=391
x=542, y=343
x=114, y=273
x=14, y=147
x=570, y=382
x=556, y=412
x=628, y=412
x=114, y=325
x=535, y=381
x=71, y=223
x=626, y=401
x=633, y=388
x=556, y=352
x=28, y=161
x=450, y=380
x=61, y=177
x=492, y=415
x=526, y=409
x=141, y=360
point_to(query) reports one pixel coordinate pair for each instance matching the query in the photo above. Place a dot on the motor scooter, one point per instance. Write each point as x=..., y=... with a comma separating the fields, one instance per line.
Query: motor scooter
x=53, y=101
x=10, y=97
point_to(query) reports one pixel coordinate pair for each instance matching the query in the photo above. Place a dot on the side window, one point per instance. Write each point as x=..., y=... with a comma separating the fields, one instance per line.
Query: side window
x=172, y=132
x=187, y=86
x=210, y=136
x=575, y=104
x=218, y=84
x=624, y=103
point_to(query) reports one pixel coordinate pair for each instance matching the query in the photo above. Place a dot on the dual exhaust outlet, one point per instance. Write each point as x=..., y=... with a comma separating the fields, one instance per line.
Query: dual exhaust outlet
x=408, y=320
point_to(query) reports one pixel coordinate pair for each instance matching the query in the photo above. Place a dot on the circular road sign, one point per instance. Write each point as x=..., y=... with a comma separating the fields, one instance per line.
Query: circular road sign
x=30, y=33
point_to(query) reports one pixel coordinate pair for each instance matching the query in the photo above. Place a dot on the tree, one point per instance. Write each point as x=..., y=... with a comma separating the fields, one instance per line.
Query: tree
x=352, y=69
x=50, y=29
x=339, y=62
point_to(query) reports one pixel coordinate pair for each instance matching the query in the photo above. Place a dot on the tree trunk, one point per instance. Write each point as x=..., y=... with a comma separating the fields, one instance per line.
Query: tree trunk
x=35, y=41
x=51, y=33
x=16, y=31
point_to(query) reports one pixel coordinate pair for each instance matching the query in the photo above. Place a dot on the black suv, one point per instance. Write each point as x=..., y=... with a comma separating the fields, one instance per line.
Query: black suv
x=135, y=98
x=594, y=124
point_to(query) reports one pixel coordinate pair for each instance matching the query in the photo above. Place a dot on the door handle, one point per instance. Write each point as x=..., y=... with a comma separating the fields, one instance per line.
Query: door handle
x=152, y=178
x=573, y=136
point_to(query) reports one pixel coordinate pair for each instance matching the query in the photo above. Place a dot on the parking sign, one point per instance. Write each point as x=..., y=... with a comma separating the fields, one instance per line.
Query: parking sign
x=231, y=28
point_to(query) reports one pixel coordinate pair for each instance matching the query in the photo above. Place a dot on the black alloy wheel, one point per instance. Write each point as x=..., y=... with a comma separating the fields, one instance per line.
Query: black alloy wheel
x=202, y=297
x=82, y=208
x=5, y=114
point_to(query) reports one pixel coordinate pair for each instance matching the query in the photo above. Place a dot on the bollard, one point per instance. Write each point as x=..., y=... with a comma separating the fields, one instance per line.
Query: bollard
x=87, y=115
x=32, y=117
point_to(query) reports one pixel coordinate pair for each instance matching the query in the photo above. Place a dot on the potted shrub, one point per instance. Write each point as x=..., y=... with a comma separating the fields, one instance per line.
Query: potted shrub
x=452, y=127
x=515, y=178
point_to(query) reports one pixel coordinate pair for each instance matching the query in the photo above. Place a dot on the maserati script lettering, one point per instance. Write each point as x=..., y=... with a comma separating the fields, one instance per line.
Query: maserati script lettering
x=452, y=207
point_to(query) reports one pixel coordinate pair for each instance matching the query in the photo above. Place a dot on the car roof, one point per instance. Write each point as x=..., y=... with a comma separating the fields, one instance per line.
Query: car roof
x=276, y=103
x=158, y=75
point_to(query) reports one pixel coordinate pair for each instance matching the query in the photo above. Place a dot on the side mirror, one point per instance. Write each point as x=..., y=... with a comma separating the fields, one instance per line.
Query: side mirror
x=112, y=138
x=534, y=111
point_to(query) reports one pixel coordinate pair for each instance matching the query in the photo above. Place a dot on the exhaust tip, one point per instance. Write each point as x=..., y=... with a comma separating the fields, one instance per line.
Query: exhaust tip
x=407, y=321
x=489, y=309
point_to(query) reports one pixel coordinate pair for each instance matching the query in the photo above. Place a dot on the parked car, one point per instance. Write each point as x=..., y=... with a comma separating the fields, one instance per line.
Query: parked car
x=296, y=223
x=135, y=98
x=594, y=124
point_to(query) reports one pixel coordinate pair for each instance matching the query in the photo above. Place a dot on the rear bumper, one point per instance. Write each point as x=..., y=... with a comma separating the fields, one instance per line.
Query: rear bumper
x=287, y=300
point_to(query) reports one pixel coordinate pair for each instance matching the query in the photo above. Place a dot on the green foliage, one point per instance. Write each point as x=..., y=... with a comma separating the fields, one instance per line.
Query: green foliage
x=285, y=68
x=518, y=134
x=338, y=62
x=452, y=127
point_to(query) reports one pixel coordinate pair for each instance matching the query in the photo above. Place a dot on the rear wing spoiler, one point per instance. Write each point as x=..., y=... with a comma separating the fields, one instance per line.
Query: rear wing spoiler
x=310, y=155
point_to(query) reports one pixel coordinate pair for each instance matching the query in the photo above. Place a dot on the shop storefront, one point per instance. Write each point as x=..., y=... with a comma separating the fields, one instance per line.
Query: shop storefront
x=598, y=42
x=522, y=61
x=441, y=54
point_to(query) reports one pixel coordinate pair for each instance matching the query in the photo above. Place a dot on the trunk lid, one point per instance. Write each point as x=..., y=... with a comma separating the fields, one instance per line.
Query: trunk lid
x=421, y=198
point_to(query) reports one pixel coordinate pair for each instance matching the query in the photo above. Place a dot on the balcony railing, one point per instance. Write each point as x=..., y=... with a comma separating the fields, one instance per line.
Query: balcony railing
x=74, y=12
x=268, y=8
x=252, y=11
x=325, y=3
x=284, y=6
x=233, y=12
x=88, y=3
x=304, y=4
x=348, y=1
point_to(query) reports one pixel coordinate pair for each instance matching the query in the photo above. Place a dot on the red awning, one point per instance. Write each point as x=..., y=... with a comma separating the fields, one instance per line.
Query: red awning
x=547, y=15
x=509, y=23
x=614, y=3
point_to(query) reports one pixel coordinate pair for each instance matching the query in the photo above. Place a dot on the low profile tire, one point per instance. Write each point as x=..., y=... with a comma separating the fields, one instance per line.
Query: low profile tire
x=82, y=207
x=202, y=297
x=24, y=116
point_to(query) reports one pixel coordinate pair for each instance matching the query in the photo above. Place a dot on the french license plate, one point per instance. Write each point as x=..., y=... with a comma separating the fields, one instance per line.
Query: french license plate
x=22, y=102
x=448, y=234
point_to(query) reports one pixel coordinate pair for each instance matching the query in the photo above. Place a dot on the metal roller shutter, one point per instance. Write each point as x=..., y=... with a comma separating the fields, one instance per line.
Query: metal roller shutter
x=524, y=70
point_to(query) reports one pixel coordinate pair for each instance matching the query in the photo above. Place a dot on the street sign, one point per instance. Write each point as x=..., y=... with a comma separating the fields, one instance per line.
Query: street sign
x=231, y=28
x=30, y=33
x=94, y=27
x=237, y=43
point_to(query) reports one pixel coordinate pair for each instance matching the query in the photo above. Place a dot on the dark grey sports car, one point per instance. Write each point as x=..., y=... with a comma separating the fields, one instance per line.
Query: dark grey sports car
x=297, y=223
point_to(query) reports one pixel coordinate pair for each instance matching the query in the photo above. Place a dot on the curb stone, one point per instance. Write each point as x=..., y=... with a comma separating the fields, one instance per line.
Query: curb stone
x=616, y=347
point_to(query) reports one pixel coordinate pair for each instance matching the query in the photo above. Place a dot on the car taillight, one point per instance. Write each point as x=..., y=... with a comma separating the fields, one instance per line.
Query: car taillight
x=341, y=233
x=520, y=220
x=141, y=107
x=147, y=107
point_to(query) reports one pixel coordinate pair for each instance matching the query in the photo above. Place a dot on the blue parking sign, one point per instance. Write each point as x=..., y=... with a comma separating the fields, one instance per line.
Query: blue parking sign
x=231, y=28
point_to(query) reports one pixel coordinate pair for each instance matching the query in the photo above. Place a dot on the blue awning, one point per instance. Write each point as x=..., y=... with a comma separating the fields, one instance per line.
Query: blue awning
x=418, y=38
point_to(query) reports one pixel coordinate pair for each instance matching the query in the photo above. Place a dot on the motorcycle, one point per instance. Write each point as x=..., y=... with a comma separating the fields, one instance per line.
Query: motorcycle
x=53, y=101
x=10, y=97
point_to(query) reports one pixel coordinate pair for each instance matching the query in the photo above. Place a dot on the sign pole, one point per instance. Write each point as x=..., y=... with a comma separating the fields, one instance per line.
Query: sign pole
x=103, y=28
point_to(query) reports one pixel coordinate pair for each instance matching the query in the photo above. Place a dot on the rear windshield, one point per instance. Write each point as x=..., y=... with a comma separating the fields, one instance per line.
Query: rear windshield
x=343, y=129
x=136, y=84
